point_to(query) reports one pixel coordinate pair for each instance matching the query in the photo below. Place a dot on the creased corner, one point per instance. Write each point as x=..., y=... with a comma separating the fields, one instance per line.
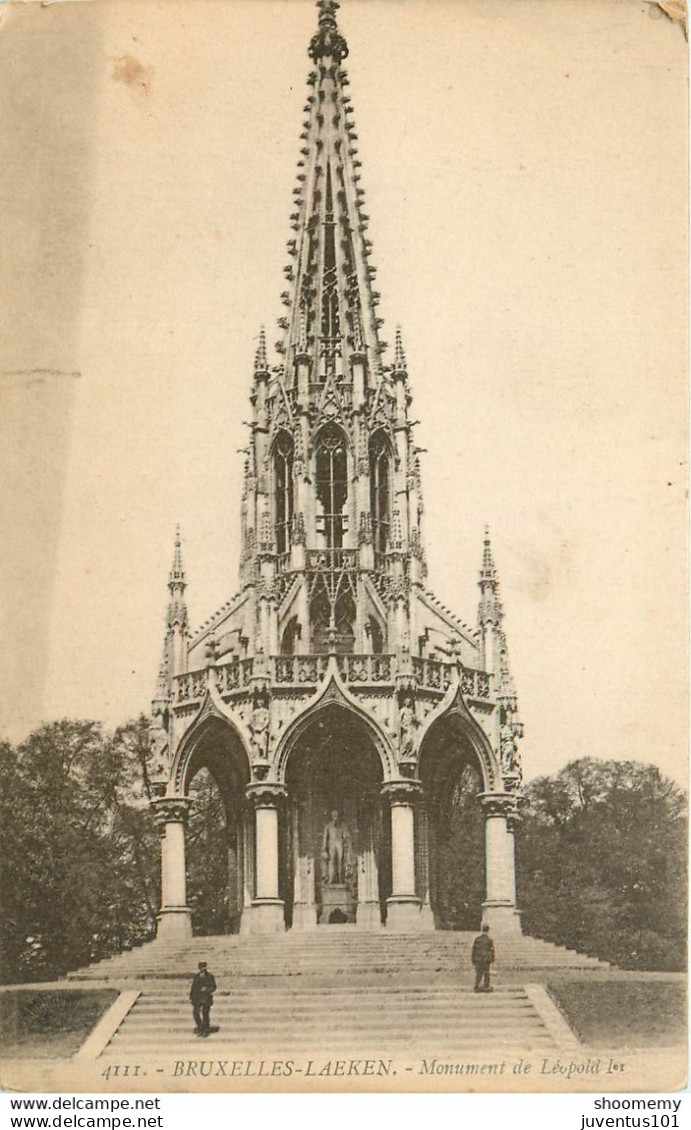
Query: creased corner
x=676, y=10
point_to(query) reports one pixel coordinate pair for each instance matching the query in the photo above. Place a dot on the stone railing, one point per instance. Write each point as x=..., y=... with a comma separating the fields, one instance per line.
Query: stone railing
x=432, y=674
x=334, y=559
x=233, y=676
x=309, y=670
x=437, y=675
x=475, y=684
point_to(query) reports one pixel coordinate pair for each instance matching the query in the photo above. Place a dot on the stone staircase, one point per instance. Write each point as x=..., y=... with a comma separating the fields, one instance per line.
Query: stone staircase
x=335, y=991
x=330, y=951
x=297, y=1022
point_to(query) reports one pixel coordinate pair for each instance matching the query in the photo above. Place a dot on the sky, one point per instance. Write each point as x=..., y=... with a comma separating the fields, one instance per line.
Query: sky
x=524, y=165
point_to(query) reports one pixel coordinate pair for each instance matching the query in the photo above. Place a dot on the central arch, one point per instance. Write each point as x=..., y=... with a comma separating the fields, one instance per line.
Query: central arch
x=336, y=840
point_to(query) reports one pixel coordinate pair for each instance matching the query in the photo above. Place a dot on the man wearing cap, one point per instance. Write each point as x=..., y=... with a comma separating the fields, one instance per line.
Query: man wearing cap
x=482, y=958
x=202, y=998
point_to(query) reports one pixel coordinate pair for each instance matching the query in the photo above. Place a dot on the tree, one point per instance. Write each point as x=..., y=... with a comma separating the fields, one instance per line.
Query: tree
x=208, y=857
x=79, y=854
x=602, y=863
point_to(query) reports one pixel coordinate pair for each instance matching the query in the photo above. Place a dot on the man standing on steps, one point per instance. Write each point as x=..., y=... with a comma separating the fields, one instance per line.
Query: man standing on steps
x=482, y=958
x=202, y=998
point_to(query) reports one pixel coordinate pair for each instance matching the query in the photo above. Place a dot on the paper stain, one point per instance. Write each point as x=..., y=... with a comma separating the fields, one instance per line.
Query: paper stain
x=133, y=74
x=544, y=573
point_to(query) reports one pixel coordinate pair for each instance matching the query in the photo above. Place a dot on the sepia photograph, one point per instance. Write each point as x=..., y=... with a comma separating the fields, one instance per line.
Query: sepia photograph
x=344, y=696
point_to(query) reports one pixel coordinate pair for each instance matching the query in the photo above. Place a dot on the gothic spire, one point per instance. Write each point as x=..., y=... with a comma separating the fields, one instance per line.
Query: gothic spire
x=490, y=609
x=331, y=316
x=399, y=361
x=261, y=364
x=177, y=608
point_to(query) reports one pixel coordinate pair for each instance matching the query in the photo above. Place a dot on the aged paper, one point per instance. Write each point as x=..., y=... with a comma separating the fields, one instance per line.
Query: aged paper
x=525, y=165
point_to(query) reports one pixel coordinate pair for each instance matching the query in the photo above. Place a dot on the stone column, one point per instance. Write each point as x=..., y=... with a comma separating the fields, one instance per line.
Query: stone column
x=368, y=909
x=499, y=908
x=174, y=923
x=267, y=907
x=247, y=870
x=422, y=850
x=304, y=907
x=403, y=905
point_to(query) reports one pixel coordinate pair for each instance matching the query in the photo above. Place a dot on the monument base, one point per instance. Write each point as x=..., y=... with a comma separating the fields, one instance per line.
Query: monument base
x=304, y=917
x=368, y=916
x=337, y=904
x=266, y=916
x=502, y=918
x=403, y=913
x=174, y=924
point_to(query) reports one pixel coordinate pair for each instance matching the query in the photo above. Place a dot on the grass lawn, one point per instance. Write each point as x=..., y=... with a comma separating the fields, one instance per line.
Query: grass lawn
x=49, y=1023
x=632, y=1014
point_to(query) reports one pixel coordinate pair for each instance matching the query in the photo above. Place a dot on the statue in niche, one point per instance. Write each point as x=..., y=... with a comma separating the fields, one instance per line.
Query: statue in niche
x=407, y=724
x=336, y=850
x=158, y=747
x=259, y=727
x=510, y=761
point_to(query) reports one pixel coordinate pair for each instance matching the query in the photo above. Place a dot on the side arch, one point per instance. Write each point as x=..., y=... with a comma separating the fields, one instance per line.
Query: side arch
x=455, y=765
x=209, y=736
x=453, y=714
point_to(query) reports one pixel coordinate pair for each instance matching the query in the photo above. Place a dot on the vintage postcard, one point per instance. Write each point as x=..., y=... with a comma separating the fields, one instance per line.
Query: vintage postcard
x=344, y=688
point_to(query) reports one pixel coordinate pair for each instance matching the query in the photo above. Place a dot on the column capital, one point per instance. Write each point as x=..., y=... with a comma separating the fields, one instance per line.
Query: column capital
x=170, y=810
x=500, y=804
x=266, y=794
x=403, y=791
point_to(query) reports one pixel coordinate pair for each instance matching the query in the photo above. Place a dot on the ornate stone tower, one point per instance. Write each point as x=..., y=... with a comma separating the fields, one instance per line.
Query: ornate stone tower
x=358, y=731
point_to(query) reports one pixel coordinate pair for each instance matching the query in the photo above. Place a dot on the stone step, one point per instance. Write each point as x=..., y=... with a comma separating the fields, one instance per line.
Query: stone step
x=337, y=1019
x=209, y=1049
x=369, y=1008
x=332, y=962
x=304, y=1019
x=151, y=1028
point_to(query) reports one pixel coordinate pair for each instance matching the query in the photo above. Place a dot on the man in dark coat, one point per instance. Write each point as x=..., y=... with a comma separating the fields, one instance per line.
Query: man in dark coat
x=482, y=958
x=202, y=998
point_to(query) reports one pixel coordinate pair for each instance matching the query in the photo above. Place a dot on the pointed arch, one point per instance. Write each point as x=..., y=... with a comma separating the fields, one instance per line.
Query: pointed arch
x=334, y=696
x=456, y=764
x=332, y=482
x=380, y=466
x=453, y=715
x=212, y=736
x=282, y=456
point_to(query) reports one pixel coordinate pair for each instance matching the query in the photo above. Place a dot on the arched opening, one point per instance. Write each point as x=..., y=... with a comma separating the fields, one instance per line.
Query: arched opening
x=380, y=490
x=216, y=776
x=282, y=458
x=336, y=838
x=290, y=636
x=331, y=464
x=452, y=780
x=335, y=634
x=376, y=635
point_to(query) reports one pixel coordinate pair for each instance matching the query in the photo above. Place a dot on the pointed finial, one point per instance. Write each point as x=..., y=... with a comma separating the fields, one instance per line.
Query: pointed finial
x=328, y=42
x=399, y=361
x=177, y=572
x=261, y=363
x=488, y=572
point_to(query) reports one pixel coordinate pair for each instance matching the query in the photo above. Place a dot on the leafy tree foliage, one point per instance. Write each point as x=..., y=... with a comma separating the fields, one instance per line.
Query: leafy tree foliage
x=79, y=857
x=208, y=857
x=460, y=844
x=602, y=863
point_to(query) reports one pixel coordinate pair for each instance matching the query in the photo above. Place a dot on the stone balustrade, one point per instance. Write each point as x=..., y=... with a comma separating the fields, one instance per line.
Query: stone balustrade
x=355, y=670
